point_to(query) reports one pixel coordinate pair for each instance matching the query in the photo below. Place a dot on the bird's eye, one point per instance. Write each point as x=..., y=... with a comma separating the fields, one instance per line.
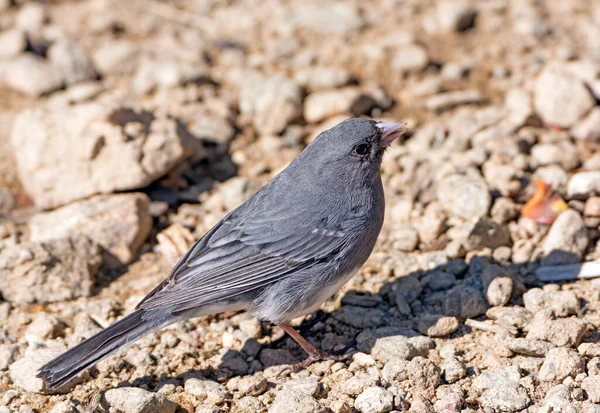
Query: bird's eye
x=362, y=149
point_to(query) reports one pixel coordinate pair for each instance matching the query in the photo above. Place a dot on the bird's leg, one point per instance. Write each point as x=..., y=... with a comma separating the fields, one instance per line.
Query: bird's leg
x=314, y=354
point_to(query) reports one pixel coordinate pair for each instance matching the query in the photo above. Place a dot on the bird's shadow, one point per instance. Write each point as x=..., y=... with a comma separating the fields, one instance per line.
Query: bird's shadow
x=334, y=330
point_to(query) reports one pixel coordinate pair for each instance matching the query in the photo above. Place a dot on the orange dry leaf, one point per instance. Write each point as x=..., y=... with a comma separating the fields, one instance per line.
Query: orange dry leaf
x=545, y=205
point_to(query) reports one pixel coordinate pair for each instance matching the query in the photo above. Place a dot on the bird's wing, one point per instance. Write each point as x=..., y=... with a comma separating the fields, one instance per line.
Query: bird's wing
x=237, y=257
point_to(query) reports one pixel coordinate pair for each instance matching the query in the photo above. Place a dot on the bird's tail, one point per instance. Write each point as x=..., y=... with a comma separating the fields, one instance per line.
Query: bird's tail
x=86, y=354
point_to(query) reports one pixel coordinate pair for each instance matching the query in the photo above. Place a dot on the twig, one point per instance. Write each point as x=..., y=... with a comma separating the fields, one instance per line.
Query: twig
x=569, y=271
x=489, y=327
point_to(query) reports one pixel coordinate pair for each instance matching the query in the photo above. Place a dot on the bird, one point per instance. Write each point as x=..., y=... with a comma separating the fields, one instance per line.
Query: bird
x=279, y=255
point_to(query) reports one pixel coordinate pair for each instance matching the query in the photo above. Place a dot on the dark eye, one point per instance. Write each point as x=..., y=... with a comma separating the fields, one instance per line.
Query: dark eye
x=362, y=149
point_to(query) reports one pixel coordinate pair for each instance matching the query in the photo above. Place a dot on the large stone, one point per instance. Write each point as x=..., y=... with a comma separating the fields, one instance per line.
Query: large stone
x=464, y=196
x=374, y=400
x=561, y=99
x=119, y=223
x=136, y=400
x=560, y=363
x=66, y=154
x=272, y=102
x=291, y=401
x=45, y=272
x=23, y=371
x=32, y=75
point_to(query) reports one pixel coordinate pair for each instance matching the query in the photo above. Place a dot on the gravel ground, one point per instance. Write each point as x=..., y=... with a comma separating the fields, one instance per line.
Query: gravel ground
x=127, y=129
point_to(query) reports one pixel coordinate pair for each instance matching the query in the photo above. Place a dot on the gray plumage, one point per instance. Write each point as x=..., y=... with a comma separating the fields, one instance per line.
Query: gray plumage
x=279, y=255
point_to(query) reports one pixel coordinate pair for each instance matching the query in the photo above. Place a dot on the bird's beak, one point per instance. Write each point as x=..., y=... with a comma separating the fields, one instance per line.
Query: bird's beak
x=390, y=131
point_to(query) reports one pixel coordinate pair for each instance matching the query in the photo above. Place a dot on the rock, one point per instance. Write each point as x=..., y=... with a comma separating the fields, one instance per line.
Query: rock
x=589, y=349
x=174, y=241
x=405, y=238
x=592, y=207
x=358, y=384
x=395, y=371
x=66, y=406
x=484, y=232
x=506, y=397
x=72, y=62
x=497, y=285
x=152, y=75
x=23, y=371
x=32, y=75
x=562, y=332
x=117, y=56
x=562, y=153
x=46, y=272
x=561, y=99
x=272, y=102
x=450, y=399
x=323, y=77
x=294, y=402
x=248, y=386
x=408, y=287
x=400, y=347
x=463, y=196
x=591, y=385
x=528, y=347
x=557, y=397
x=7, y=355
x=319, y=106
x=136, y=400
x=12, y=43
x=584, y=184
x=119, y=223
x=437, y=325
x=589, y=128
x=31, y=17
x=374, y=400
x=275, y=357
x=514, y=316
x=453, y=369
x=206, y=390
x=501, y=390
x=248, y=404
x=360, y=317
x=112, y=148
x=465, y=302
x=45, y=326
x=562, y=303
x=410, y=58
x=566, y=241
x=327, y=19
x=308, y=385
x=504, y=210
x=450, y=100
x=451, y=16
x=561, y=362
x=423, y=373
x=438, y=280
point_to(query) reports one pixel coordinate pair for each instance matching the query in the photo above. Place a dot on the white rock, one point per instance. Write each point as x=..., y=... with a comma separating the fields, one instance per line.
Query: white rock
x=119, y=223
x=151, y=75
x=566, y=241
x=136, y=400
x=560, y=363
x=70, y=59
x=32, y=75
x=23, y=371
x=31, y=17
x=111, y=148
x=584, y=183
x=463, y=196
x=322, y=105
x=323, y=77
x=273, y=102
x=207, y=390
x=561, y=99
x=12, y=42
x=451, y=16
x=374, y=400
x=328, y=18
x=589, y=128
x=411, y=58
x=449, y=100
x=295, y=402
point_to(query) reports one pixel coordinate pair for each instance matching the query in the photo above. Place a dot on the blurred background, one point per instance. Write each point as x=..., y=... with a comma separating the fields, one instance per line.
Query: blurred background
x=129, y=128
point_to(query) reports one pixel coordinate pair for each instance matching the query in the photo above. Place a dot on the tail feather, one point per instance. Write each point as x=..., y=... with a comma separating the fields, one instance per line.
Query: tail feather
x=86, y=354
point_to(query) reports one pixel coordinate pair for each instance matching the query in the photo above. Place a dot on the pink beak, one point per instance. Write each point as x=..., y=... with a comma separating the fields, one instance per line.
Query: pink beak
x=391, y=131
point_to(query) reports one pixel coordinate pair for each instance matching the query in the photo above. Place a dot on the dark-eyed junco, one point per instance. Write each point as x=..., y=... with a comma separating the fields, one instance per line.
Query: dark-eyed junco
x=279, y=255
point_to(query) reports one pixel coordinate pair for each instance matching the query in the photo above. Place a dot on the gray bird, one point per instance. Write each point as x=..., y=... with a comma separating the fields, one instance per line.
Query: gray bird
x=279, y=255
